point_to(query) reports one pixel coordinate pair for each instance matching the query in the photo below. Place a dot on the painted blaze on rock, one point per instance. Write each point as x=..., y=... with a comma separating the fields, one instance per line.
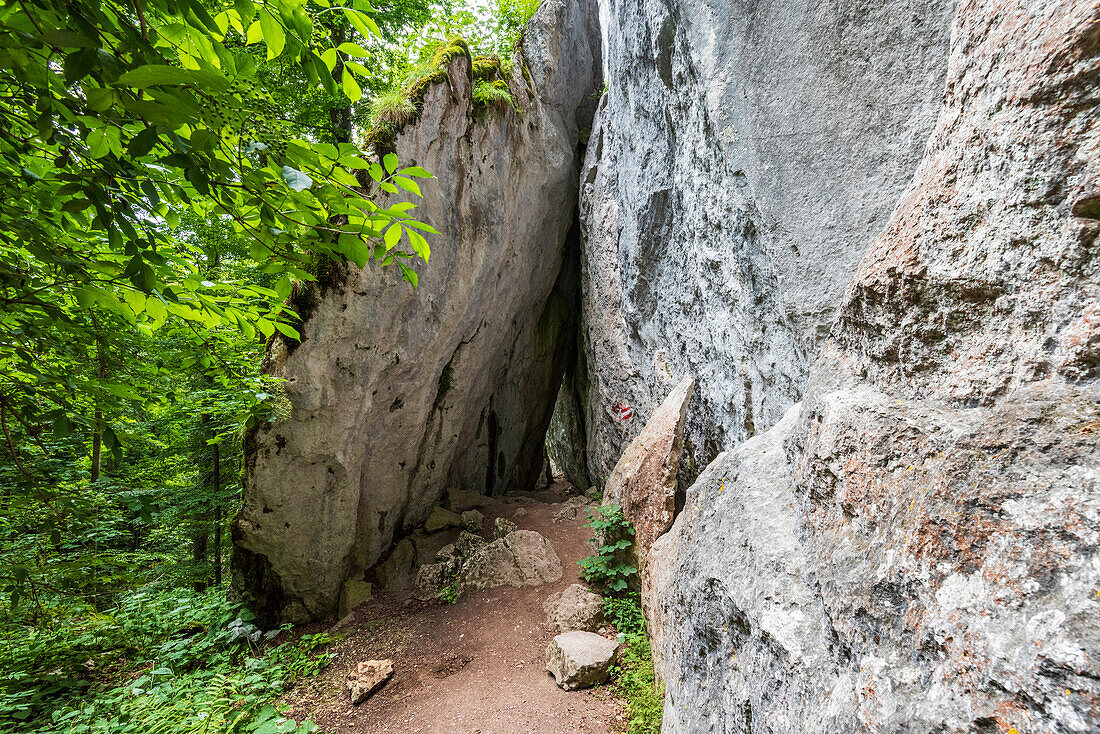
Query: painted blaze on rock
x=643, y=483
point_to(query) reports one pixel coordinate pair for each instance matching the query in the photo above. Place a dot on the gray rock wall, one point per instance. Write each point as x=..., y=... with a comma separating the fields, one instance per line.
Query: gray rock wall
x=398, y=394
x=916, y=546
x=743, y=157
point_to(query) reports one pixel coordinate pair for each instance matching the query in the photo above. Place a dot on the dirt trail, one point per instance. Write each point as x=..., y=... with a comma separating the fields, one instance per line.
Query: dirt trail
x=475, y=667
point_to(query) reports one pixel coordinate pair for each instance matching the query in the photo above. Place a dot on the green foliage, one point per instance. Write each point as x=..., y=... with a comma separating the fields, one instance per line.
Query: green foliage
x=494, y=93
x=120, y=127
x=162, y=661
x=392, y=107
x=625, y=613
x=633, y=679
x=608, y=566
x=449, y=594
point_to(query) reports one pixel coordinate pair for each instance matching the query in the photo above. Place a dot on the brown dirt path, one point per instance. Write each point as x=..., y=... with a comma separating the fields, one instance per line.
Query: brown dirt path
x=475, y=667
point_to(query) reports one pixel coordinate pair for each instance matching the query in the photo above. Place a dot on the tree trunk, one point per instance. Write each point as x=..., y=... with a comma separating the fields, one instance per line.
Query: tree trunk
x=217, y=516
x=97, y=436
x=339, y=117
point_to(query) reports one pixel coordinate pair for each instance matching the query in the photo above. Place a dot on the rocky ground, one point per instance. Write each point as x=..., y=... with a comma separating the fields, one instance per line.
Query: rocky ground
x=478, y=665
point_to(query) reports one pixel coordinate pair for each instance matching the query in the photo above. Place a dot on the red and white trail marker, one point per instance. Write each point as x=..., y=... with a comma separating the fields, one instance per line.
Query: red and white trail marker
x=625, y=411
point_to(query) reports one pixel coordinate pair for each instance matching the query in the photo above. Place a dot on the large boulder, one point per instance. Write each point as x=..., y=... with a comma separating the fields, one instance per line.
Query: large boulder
x=574, y=609
x=644, y=480
x=394, y=394
x=580, y=659
x=914, y=546
x=521, y=558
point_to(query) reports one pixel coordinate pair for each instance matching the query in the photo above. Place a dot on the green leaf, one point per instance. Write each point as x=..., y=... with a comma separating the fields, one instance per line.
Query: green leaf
x=408, y=184
x=274, y=36
x=158, y=74
x=288, y=330
x=362, y=23
x=296, y=179
x=351, y=87
x=419, y=244
x=416, y=171
x=392, y=236
x=409, y=274
x=353, y=49
x=390, y=162
x=355, y=248
x=99, y=144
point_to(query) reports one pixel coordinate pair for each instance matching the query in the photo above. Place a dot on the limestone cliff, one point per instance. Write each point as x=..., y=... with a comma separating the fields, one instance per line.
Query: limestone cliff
x=914, y=547
x=398, y=394
x=743, y=156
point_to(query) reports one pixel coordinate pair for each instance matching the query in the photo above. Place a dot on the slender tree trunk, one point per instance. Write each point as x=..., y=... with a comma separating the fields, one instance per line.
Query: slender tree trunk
x=97, y=436
x=200, y=539
x=217, y=516
x=339, y=117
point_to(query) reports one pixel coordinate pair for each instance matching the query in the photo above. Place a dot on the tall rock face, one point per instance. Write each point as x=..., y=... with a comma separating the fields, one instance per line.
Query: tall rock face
x=743, y=156
x=916, y=545
x=395, y=394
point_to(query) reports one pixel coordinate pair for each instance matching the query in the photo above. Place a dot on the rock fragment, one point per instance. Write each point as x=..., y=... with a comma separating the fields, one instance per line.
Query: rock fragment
x=430, y=580
x=580, y=659
x=522, y=558
x=643, y=482
x=472, y=520
x=441, y=519
x=574, y=609
x=367, y=678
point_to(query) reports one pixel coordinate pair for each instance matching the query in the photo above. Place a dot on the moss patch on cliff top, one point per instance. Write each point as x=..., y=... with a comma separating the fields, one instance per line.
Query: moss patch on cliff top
x=402, y=105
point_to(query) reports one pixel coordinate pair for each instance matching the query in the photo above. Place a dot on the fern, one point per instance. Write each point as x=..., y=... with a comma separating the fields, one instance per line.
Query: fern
x=493, y=94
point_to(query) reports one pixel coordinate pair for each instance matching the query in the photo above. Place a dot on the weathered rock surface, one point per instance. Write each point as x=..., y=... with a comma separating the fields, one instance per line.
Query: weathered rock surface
x=368, y=677
x=580, y=659
x=574, y=507
x=472, y=520
x=502, y=527
x=742, y=159
x=574, y=609
x=914, y=546
x=370, y=443
x=354, y=593
x=398, y=567
x=461, y=500
x=441, y=519
x=430, y=580
x=644, y=482
x=521, y=558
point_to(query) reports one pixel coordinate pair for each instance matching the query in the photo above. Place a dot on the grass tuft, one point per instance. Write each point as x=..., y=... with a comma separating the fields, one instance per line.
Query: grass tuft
x=393, y=108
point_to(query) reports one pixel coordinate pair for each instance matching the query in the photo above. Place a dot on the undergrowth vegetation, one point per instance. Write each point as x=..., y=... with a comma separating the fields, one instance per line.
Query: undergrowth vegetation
x=633, y=679
x=164, y=661
x=610, y=565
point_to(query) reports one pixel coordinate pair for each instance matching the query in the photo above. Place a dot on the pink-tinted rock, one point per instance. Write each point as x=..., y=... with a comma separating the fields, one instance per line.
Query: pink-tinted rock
x=643, y=483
